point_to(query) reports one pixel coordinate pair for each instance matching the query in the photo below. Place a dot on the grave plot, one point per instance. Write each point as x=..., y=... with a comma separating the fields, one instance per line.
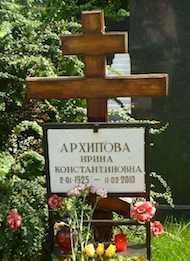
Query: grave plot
x=94, y=44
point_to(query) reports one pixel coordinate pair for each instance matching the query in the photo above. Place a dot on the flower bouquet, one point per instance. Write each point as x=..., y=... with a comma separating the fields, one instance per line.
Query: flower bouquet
x=79, y=244
x=82, y=243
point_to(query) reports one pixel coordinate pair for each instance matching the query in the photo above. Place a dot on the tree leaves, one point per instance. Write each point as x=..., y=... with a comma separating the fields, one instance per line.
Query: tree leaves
x=6, y=161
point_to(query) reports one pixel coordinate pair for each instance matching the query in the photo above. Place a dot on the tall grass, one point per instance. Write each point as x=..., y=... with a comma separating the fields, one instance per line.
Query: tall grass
x=174, y=244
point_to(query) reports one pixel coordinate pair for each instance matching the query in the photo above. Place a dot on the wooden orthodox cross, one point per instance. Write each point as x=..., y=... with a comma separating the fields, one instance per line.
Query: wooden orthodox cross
x=94, y=44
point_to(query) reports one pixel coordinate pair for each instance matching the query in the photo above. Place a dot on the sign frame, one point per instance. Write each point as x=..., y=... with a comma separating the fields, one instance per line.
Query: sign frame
x=95, y=127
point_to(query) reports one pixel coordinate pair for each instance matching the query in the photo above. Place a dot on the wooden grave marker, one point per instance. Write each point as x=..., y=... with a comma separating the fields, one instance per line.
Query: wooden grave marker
x=94, y=44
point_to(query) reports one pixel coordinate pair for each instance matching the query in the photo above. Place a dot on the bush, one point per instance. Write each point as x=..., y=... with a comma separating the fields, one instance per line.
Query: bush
x=30, y=47
x=29, y=197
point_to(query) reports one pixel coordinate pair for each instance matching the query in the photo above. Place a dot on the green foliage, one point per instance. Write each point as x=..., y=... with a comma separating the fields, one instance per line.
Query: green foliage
x=160, y=189
x=58, y=9
x=173, y=244
x=24, y=151
x=117, y=10
x=22, y=186
x=6, y=161
x=29, y=197
x=29, y=47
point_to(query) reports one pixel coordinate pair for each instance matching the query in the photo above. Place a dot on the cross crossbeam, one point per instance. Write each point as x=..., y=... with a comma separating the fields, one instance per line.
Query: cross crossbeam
x=144, y=85
x=94, y=44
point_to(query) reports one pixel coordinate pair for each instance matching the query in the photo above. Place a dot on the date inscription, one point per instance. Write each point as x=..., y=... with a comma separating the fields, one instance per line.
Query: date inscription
x=86, y=179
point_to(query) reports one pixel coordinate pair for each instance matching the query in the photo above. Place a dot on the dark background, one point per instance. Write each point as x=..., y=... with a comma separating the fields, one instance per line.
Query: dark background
x=159, y=37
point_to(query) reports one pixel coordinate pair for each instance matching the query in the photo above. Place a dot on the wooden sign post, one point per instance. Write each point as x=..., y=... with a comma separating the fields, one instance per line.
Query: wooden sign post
x=94, y=44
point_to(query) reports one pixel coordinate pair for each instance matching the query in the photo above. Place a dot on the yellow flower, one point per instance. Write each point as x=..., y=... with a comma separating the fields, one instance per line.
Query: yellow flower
x=90, y=251
x=100, y=249
x=110, y=251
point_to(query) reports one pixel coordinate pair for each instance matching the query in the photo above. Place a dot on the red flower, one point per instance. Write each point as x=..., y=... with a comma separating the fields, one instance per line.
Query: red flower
x=14, y=220
x=143, y=211
x=54, y=201
x=138, y=259
x=156, y=228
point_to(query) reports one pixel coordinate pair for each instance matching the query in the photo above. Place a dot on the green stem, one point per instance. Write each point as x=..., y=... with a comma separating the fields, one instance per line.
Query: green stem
x=76, y=225
x=183, y=229
x=101, y=257
x=73, y=224
x=72, y=246
x=89, y=223
x=81, y=227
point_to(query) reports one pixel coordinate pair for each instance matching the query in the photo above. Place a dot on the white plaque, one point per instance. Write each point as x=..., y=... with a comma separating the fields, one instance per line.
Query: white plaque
x=112, y=158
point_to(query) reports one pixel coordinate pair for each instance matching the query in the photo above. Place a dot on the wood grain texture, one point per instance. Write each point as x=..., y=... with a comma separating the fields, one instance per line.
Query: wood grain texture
x=94, y=40
x=95, y=66
x=94, y=44
x=97, y=110
x=93, y=22
x=148, y=85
